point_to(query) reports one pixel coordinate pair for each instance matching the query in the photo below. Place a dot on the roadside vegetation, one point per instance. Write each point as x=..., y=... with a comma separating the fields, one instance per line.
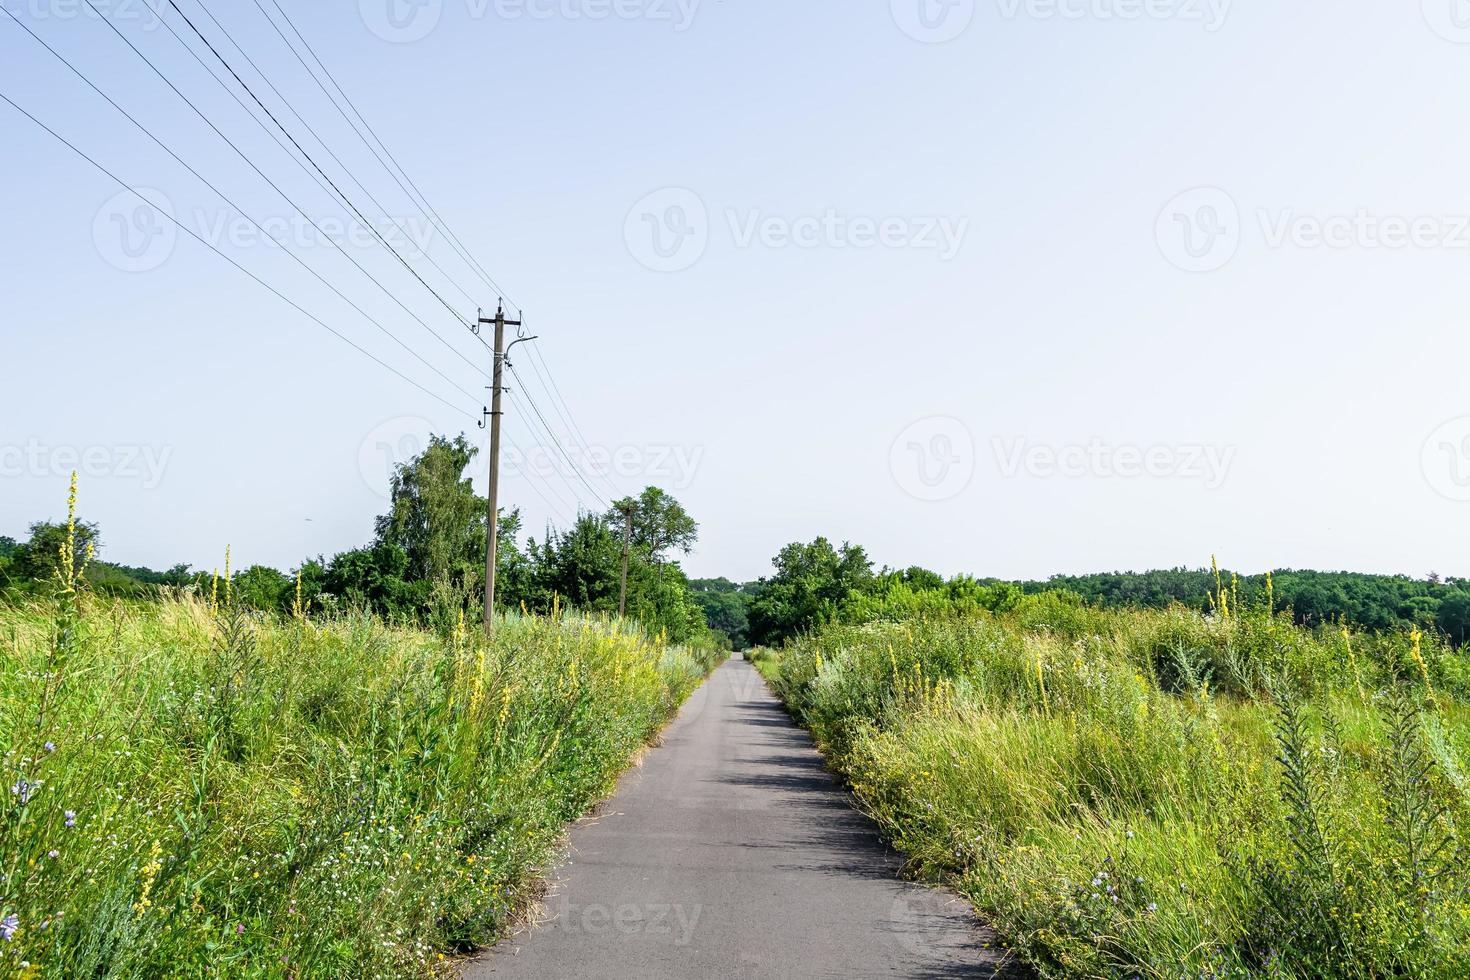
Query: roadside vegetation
x=195, y=786
x=818, y=583
x=426, y=560
x=1163, y=793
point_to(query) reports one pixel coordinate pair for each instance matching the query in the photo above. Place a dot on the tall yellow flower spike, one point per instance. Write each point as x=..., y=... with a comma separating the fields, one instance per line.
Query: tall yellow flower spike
x=1416, y=638
x=69, y=546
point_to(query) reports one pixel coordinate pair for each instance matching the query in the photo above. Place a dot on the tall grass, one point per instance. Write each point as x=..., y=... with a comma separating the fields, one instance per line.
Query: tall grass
x=1163, y=794
x=198, y=791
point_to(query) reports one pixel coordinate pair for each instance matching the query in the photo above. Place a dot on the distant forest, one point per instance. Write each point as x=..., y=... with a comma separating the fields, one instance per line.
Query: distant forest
x=818, y=582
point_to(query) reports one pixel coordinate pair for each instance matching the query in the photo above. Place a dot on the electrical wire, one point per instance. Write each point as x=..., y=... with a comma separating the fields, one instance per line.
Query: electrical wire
x=420, y=200
x=191, y=233
x=548, y=385
x=276, y=187
x=552, y=437
x=243, y=213
x=294, y=142
x=325, y=146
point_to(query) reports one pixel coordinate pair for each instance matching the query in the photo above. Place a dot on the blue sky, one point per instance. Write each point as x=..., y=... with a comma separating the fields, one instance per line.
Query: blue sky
x=1010, y=287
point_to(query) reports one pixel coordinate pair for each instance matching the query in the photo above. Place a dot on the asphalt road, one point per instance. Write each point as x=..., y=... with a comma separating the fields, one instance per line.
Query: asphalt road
x=732, y=853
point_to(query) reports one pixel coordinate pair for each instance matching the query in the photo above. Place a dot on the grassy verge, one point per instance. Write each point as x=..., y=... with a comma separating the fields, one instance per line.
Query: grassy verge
x=196, y=792
x=1160, y=794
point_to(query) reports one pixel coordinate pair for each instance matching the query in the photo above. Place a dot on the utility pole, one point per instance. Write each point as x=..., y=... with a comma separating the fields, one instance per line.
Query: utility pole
x=627, y=542
x=492, y=526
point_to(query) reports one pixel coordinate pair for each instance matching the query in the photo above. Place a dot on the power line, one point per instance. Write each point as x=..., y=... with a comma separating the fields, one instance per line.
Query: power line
x=191, y=233
x=317, y=136
x=420, y=201
x=429, y=211
x=244, y=156
x=552, y=436
x=254, y=223
x=345, y=199
x=527, y=477
x=548, y=380
x=548, y=384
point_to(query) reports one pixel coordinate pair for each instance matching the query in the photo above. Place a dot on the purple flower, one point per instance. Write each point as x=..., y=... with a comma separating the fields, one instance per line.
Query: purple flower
x=240, y=929
x=71, y=819
x=50, y=746
x=9, y=926
x=24, y=790
x=53, y=855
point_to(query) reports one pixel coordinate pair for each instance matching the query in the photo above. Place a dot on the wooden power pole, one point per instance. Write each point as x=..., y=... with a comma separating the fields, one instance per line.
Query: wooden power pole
x=627, y=543
x=492, y=525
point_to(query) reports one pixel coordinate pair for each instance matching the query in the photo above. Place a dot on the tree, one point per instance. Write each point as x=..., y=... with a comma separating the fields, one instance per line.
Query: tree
x=437, y=519
x=378, y=577
x=659, y=524
x=1454, y=615
x=810, y=584
x=263, y=588
x=726, y=607
x=581, y=566
x=39, y=559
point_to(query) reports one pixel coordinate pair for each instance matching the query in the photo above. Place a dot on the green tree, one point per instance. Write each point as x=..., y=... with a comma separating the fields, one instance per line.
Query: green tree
x=39, y=559
x=263, y=588
x=436, y=517
x=581, y=566
x=660, y=524
x=809, y=587
x=1454, y=615
x=726, y=607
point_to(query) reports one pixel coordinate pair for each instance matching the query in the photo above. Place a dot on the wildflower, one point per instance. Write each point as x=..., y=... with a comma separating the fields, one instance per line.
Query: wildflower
x=23, y=789
x=71, y=819
x=1153, y=907
x=240, y=929
x=49, y=746
x=53, y=854
x=9, y=926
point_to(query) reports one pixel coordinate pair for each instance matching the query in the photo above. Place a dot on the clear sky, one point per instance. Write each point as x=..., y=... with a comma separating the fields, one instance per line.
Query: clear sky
x=1008, y=287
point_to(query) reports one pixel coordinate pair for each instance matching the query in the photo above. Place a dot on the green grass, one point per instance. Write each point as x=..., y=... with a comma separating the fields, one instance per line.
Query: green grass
x=1162, y=794
x=192, y=793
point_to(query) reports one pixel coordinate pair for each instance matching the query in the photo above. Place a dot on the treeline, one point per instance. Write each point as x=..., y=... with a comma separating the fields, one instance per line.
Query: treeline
x=820, y=583
x=426, y=561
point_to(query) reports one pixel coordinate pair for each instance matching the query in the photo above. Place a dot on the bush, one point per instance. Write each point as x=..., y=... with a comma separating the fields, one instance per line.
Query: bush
x=200, y=792
x=1163, y=793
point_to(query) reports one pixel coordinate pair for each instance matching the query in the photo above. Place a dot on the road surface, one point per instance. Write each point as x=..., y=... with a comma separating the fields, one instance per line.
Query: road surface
x=732, y=853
